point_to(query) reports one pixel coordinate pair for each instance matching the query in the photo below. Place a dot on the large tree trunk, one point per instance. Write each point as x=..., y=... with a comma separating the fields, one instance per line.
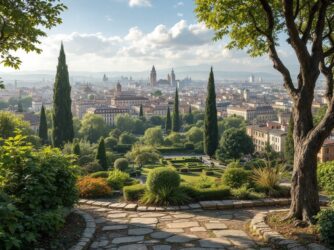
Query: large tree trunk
x=304, y=187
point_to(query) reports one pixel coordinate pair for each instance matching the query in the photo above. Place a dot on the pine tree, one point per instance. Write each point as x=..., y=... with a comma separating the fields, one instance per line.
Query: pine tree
x=190, y=116
x=210, y=120
x=289, y=145
x=176, y=115
x=62, y=123
x=141, y=112
x=168, y=126
x=43, y=127
x=19, y=107
x=76, y=149
x=101, y=156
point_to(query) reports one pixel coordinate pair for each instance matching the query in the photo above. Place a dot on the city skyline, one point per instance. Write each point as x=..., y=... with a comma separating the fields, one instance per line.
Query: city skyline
x=113, y=36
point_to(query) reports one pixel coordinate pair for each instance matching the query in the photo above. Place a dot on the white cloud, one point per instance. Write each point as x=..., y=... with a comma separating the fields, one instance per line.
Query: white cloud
x=140, y=3
x=109, y=19
x=180, y=45
x=179, y=4
x=180, y=14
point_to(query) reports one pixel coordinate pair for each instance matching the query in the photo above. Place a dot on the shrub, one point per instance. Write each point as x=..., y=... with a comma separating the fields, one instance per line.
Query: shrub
x=244, y=193
x=100, y=174
x=162, y=179
x=189, y=146
x=92, y=167
x=166, y=197
x=217, y=193
x=134, y=192
x=93, y=187
x=121, y=164
x=118, y=179
x=235, y=177
x=209, y=173
x=184, y=170
x=326, y=176
x=268, y=179
x=326, y=226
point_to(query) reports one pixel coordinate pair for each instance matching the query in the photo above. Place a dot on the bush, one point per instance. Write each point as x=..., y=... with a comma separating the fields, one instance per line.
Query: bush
x=166, y=197
x=118, y=179
x=93, y=187
x=121, y=164
x=184, y=170
x=235, y=177
x=37, y=189
x=243, y=193
x=326, y=176
x=209, y=173
x=326, y=226
x=134, y=192
x=217, y=193
x=268, y=179
x=92, y=167
x=189, y=146
x=100, y=174
x=161, y=179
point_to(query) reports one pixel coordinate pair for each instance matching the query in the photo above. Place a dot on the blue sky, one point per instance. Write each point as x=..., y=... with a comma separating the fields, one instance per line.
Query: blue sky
x=132, y=35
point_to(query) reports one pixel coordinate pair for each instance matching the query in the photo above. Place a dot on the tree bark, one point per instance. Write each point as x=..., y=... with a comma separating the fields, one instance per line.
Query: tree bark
x=304, y=187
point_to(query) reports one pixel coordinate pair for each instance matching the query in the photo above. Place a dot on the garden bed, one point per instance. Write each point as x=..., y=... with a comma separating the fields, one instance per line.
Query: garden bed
x=68, y=236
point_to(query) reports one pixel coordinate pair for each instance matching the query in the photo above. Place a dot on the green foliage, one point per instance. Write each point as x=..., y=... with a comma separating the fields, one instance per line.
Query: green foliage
x=231, y=122
x=325, y=173
x=39, y=185
x=235, y=143
x=210, y=120
x=134, y=192
x=100, y=174
x=244, y=193
x=235, y=177
x=110, y=142
x=62, y=123
x=176, y=123
x=10, y=123
x=162, y=179
x=43, y=127
x=189, y=118
x=24, y=23
x=121, y=164
x=199, y=194
x=127, y=138
x=165, y=197
x=93, y=127
x=153, y=136
x=141, y=112
x=101, y=156
x=168, y=125
x=195, y=135
x=143, y=154
x=76, y=149
x=326, y=226
x=130, y=124
x=118, y=179
x=176, y=138
x=269, y=178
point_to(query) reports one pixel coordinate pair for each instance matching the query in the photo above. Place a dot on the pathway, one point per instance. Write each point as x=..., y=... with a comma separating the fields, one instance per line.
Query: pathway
x=187, y=230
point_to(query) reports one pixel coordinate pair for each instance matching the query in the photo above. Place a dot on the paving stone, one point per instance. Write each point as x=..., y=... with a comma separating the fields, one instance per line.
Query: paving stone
x=119, y=215
x=315, y=246
x=174, y=230
x=152, y=215
x=230, y=233
x=181, y=238
x=127, y=239
x=183, y=224
x=115, y=227
x=133, y=247
x=194, y=205
x=144, y=220
x=131, y=207
x=160, y=235
x=215, y=243
x=183, y=216
x=212, y=226
x=140, y=231
x=198, y=229
x=162, y=247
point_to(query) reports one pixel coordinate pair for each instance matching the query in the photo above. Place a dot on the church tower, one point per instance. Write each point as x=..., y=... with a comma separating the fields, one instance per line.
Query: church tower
x=153, y=77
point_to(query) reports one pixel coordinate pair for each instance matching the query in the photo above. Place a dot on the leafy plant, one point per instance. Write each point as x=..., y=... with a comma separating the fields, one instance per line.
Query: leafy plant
x=121, y=164
x=326, y=225
x=93, y=187
x=118, y=179
x=326, y=176
x=134, y=192
x=235, y=177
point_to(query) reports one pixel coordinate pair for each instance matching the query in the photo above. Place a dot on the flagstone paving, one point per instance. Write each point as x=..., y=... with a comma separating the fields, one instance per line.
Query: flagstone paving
x=181, y=230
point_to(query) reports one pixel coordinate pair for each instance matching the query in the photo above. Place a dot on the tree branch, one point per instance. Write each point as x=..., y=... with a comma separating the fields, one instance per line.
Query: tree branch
x=306, y=32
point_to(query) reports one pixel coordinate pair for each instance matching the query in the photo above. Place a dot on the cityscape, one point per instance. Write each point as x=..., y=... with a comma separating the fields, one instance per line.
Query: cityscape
x=166, y=125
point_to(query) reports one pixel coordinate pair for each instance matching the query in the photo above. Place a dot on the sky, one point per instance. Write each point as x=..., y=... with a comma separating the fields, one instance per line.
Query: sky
x=133, y=35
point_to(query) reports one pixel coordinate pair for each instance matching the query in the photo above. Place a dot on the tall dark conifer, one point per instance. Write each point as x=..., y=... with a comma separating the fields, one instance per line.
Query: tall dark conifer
x=210, y=120
x=19, y=106
x=62, y=123
x=168, y=126
x=289, y=145
x=176, y=115
x=141, y=112
x=190, y=116
x=43, y=127
x=101, y=156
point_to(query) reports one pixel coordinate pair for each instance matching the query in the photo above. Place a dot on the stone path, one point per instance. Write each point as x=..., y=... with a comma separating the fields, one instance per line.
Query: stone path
x=187, y=230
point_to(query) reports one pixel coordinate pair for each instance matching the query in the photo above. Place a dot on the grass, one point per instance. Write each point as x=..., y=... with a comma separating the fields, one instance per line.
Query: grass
x=194, y=177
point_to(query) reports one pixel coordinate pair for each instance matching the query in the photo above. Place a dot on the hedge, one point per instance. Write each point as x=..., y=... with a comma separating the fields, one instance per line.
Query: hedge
x=134, y=192
x=217, y=193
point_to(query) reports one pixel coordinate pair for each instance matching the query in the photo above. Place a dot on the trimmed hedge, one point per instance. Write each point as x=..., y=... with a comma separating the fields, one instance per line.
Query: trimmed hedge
x=134, y=192
x=217, y=193
x=100, y=174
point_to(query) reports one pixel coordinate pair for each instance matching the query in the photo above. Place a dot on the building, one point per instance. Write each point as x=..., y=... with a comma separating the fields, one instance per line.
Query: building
x=126, y=101
x=108, y=113
x=153, y=77
x=264, y=135
x=326, y=152
x=260, y=113
x=173, y=78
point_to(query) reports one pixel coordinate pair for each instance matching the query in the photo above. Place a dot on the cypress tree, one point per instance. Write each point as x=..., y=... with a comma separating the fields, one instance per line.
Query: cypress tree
x=76, y=149
x=210, y=120
x=101, y=156
x=190, y=116
x=62, y=123
x=19, y=107
x=289, y=144
x=168, y=126
x=43, y=127
x=141, y=112
x=176, y=115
